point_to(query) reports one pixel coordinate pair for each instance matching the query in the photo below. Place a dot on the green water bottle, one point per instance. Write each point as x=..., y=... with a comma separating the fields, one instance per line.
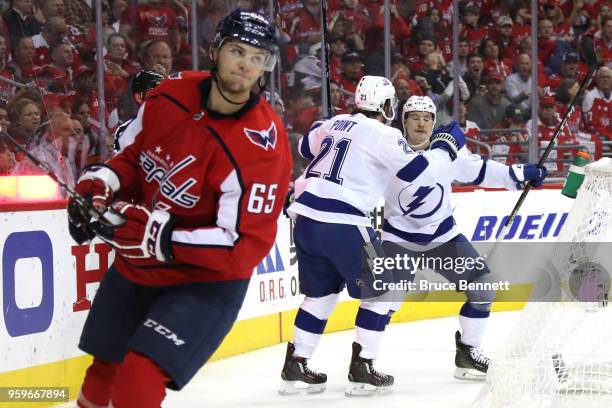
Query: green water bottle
x=575, y=176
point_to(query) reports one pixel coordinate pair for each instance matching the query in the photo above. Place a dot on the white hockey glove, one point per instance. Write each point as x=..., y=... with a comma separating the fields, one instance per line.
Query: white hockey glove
x=448, y=137
x=144, y=234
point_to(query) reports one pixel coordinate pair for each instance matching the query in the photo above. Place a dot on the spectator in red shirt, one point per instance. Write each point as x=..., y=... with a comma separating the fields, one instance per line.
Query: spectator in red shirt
x=352, y=71
x=7, y=159
x=22, y=64
x=603, y=42
x=117, y=67
x=471, y=28
x=150, y=21
x=562, y=30
x=355, y=14
x=493, y=58
x=337, y=48
x=305, y=29
x=597, y=104
x=57, y=76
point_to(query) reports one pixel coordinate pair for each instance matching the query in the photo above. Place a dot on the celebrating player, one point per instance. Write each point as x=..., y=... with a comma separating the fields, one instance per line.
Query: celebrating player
x=353, y=157
x=200, y=184
x=419, y=222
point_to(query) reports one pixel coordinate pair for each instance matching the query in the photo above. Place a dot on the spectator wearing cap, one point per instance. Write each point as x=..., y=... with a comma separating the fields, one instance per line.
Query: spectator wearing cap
x=352, y=71
x=20, y=21
x=548, y=122
x=488, y=110
x=504, y=36
x=305, y=28
x=150, y=21
x=471, y=27
x=475, y=76
x=515, y=151
x=603, y=42
x=493, y=57
x=571, y=68
x=597, y=104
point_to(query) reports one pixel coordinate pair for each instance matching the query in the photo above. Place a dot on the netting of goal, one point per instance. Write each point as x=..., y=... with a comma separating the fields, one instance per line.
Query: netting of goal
x=560, y=353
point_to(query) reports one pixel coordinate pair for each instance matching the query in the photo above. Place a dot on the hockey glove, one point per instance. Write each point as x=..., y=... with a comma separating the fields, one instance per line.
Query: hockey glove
x=98, y=183
x=449, y=137
x=522, y=173
x=144, y=234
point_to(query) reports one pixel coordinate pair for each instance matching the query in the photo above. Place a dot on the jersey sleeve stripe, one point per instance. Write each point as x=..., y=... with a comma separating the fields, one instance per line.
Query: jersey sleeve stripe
x=304, y=147
x=481, y=174
x=328, y=204
x=225, y=234
x=420, y=238
x=132, y=130
x=413, y=169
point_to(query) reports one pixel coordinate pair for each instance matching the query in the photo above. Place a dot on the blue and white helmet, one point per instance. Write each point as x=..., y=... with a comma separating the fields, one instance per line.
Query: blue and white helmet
x=372, y=95
x=419, y=104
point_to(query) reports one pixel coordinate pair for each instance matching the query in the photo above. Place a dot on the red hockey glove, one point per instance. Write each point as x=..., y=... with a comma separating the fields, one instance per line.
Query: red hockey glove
x=97, y=183
x=144, y=234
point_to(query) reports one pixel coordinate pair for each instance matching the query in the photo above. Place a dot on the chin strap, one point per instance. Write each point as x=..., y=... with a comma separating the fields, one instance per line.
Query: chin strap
x=419, y=146
x=215, y=80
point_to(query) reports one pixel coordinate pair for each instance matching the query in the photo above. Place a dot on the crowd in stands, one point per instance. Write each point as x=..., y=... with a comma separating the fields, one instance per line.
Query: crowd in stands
x=49, y=46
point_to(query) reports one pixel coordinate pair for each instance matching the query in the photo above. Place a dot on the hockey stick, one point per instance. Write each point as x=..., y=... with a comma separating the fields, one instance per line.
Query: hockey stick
x=325, y=57
x=591, y=60
x=109, y=218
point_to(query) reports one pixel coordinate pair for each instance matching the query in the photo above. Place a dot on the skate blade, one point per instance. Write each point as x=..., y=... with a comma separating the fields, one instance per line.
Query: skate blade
x=365, y=390
x=469, y=374
x=300, y=387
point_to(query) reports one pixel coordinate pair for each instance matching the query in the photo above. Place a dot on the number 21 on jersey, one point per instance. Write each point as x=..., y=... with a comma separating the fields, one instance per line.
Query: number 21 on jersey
x=318, y=165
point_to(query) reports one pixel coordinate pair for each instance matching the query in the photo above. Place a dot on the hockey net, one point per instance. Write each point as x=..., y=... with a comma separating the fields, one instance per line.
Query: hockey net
x=560, y=353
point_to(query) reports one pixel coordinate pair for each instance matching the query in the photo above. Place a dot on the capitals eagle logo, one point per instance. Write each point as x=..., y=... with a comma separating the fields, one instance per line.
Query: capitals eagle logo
x=262, y=138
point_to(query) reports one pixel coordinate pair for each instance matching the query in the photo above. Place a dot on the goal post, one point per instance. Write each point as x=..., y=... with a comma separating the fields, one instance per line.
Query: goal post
x=560, y=353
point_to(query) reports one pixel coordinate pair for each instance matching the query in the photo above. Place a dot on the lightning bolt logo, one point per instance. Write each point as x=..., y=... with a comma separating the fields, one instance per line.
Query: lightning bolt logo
x=419, y=199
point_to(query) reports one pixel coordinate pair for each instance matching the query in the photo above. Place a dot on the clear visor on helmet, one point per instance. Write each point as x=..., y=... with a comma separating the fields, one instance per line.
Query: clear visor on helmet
x=258, y=59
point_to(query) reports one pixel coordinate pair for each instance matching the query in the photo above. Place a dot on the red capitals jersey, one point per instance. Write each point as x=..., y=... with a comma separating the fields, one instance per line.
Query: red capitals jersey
x=598, y=112
x=224, y=179
x=150, y=23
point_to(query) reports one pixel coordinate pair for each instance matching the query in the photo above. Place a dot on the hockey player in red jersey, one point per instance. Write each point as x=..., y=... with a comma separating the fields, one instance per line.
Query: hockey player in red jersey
x=200, y=182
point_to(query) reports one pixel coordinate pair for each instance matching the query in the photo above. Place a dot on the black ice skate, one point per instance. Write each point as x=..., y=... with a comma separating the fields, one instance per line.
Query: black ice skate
x=470, y=362
x=297, y=377
x=363, y=378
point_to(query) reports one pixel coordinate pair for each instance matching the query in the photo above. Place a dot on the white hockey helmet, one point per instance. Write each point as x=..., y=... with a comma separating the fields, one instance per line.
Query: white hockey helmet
x=372, y=94
x=419, y=104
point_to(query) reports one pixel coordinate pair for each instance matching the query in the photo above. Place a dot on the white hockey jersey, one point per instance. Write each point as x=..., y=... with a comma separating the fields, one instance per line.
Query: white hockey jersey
x=353, y=159
x=421, y=213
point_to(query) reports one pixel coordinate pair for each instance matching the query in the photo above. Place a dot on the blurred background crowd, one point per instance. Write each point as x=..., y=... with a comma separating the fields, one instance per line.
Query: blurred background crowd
x=51, y=95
